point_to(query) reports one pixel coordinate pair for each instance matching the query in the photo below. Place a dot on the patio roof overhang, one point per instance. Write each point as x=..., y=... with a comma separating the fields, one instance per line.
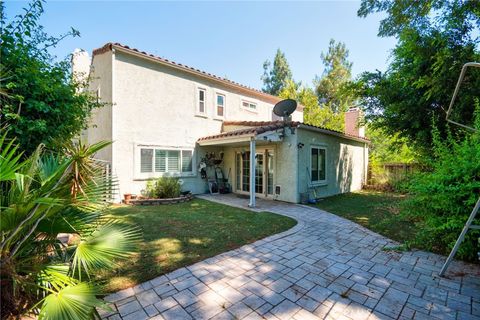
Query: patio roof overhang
x=250, y=137
x=243, y=139
x=243, y=131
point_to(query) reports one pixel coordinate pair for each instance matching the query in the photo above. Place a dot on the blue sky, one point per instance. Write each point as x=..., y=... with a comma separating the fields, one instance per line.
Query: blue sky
x=230, y=39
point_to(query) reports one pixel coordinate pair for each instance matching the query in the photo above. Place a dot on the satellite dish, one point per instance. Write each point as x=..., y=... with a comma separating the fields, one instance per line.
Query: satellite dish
x=285, y=108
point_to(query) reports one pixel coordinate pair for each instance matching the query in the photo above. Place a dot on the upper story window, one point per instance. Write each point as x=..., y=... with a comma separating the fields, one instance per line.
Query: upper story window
x=157, y=161
x=220, y=112
x=249, y=105
x=318, y=160
x=202, y=98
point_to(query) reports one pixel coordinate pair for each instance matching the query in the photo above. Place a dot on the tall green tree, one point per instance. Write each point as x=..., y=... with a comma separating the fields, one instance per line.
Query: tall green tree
x=435, y=39
x=44, y=104
x=275, y=77
x=331, y=87
x=313, y=113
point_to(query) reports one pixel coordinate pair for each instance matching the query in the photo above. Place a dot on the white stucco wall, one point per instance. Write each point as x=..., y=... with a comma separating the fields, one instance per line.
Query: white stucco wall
x=100, y=123
x=156, y=105
x=152, y=104
x=347, y=162
x=286, y=163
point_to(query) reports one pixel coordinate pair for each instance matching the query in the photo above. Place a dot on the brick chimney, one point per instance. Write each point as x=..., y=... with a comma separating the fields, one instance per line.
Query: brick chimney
x=352, y=122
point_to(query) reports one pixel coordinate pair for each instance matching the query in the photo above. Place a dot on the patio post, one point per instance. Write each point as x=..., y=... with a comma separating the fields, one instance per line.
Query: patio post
x=252, y=173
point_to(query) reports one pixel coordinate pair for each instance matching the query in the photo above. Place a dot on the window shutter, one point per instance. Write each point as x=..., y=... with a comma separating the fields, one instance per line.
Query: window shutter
x=160, y=160
x=146, y=160
x=173, y=161
x=187, y=161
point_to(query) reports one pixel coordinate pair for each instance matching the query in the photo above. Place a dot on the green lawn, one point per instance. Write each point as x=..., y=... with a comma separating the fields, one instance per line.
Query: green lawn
x=181, y=234
x=377, y=211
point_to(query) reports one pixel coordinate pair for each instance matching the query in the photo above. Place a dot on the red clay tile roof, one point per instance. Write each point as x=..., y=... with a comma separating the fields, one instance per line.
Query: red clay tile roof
x=109, y=46
x=251, y=123
x=259, y=127
x=254, y=129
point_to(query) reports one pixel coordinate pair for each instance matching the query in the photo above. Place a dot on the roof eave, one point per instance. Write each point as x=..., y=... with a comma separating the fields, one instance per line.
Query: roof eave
x=226, y=140
x=251, y=92
x=332, y=133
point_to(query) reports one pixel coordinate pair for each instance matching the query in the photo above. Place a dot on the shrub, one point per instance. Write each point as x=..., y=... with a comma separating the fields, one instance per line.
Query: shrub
x=41, y=197
x=164, y=187
x=443, y=198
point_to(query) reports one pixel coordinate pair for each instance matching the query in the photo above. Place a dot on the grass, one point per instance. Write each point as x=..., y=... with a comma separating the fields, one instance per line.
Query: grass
x=182, y=234
x=377, y=211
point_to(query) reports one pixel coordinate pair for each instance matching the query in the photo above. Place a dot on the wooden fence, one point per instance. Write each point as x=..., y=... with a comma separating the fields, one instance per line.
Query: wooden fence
x=392, y=172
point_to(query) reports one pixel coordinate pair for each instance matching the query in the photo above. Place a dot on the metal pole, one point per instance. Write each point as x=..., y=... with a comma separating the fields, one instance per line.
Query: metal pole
x=252, y=173
x=457, y=89
x=460, y=238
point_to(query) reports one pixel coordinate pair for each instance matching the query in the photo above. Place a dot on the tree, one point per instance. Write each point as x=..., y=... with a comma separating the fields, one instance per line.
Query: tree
x=313, y=113
x=275, y=78
x=44, y=104
x=331, y=87
x=435, y=39
x=389, y=148
x=42, y=196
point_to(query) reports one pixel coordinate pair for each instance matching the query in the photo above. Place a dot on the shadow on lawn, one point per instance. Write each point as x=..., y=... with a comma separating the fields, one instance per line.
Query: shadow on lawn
x=328, y=266
x=182, y=234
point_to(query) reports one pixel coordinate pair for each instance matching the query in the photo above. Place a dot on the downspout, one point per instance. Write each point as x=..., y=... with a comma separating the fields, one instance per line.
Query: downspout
x=252, y=172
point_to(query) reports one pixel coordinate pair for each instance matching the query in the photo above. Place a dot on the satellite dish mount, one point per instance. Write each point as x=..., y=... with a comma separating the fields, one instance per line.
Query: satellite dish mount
x=284, y=109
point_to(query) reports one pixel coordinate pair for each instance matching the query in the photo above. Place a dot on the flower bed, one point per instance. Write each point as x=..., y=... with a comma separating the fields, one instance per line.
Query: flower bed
x=156, y=202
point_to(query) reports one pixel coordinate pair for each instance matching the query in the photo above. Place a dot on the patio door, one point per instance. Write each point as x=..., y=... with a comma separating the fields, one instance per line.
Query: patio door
x=264, y=172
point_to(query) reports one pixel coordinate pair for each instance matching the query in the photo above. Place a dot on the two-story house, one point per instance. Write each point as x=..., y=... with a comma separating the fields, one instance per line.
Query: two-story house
x=165, y=118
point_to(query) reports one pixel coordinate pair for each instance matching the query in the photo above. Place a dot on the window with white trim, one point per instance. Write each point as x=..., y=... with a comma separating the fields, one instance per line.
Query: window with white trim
x=202, y=98
x=220, y=106
x=318, y=160
x=157, y=160
x=249, y=105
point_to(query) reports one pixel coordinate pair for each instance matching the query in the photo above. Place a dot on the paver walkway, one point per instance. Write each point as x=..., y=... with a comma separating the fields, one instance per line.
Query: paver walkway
x=325, y=267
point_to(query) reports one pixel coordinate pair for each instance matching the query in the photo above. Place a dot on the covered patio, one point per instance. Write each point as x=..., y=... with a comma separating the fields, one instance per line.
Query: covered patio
x=250, y=150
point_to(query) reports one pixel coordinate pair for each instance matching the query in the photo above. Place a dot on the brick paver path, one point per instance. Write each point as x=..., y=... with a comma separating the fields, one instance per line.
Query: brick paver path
x=326, y=267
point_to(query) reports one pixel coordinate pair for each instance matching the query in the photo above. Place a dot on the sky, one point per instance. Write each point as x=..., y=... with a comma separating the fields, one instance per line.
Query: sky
x=229, y=39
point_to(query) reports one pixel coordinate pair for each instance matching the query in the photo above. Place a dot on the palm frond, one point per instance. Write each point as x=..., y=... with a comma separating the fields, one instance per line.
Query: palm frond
x=70, y=303
x=41, y=197
x=9, y=158
x=100, y=249
x=84, y=166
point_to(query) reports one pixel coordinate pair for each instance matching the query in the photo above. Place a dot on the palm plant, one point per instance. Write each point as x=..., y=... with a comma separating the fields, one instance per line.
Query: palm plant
x=42, y=197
